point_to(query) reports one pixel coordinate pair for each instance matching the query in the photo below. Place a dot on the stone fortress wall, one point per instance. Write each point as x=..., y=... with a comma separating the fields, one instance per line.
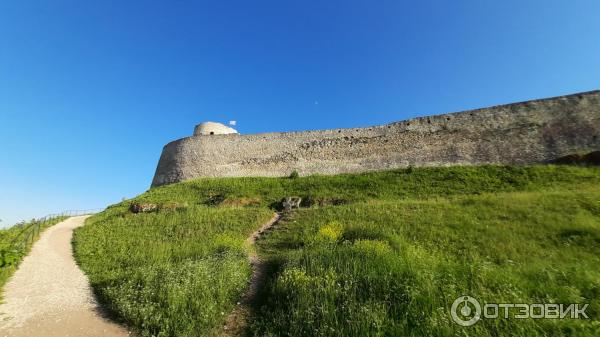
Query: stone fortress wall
x=521, y=133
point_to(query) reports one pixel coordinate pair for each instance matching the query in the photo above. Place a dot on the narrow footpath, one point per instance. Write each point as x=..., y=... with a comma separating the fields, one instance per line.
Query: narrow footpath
x=237, y=321
x=50, y=296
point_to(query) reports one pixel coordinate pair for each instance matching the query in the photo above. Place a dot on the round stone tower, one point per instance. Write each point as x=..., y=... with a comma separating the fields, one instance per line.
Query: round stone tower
x=212, y=128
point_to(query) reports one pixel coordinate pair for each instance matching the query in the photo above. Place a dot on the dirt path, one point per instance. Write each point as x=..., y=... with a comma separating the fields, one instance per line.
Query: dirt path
x=50, y=296
x=237, y=321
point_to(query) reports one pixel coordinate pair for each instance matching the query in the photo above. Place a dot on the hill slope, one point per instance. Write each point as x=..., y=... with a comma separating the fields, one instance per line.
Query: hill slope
x=377, y=254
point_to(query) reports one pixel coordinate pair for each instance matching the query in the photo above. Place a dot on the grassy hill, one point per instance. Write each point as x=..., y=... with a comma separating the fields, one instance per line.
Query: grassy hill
x=375, y=254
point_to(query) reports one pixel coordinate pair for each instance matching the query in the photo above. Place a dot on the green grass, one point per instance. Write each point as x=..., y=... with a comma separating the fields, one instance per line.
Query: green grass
x=15, y=243
x=394, y=268
x=171, y=273
x=376, y=254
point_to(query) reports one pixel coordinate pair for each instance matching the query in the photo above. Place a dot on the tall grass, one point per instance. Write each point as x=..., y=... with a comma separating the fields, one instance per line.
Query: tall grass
x=171, y=273
x=394, y=268
x=374, y=254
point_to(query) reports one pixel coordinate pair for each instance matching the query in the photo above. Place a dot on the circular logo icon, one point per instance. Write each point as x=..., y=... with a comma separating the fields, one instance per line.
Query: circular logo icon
x=466, y=311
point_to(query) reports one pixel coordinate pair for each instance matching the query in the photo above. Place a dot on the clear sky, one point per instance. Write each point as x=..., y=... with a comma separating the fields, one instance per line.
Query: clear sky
x=90, y=91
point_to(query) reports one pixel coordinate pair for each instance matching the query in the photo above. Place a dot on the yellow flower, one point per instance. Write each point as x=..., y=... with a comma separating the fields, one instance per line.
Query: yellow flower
x=331, y=232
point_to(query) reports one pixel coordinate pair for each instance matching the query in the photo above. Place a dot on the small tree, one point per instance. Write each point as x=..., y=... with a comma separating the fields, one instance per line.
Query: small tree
x=294, y=174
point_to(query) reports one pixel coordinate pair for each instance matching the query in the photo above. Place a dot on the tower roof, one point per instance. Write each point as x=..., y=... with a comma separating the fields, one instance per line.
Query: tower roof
x=213, y=128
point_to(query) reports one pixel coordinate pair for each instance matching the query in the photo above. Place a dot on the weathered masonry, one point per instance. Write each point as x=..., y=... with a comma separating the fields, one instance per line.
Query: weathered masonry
x=521, y=133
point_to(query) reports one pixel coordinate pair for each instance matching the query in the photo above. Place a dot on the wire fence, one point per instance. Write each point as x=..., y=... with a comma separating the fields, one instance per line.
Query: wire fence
x=70, y=213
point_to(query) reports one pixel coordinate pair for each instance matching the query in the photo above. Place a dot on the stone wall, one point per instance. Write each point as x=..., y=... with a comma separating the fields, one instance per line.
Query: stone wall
x=520, y=133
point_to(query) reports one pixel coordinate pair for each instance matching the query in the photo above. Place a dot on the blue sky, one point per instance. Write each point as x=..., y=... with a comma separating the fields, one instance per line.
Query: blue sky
x=90, y=91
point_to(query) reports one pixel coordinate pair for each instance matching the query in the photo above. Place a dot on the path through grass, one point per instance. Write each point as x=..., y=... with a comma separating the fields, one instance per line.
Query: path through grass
x=375, y=254
x=16, y=241
x=384, y=268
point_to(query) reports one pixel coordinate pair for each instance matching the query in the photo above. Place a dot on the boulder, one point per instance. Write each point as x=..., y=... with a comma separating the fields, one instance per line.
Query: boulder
x=289, y=203
x=143, y=208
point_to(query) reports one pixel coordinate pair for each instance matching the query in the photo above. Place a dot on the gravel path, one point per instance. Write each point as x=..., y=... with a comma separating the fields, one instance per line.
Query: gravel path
x=50, y=296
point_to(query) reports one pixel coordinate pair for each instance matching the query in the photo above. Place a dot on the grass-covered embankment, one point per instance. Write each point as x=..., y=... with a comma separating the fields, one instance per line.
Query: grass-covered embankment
x=170, y=273
x=376, y=254
x=385, y=268
x=16, y=241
